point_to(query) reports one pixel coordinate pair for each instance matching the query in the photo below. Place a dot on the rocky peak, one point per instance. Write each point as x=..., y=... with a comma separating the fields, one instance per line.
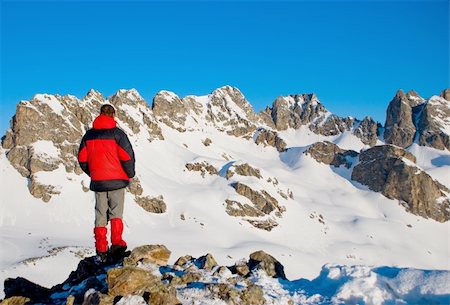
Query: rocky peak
x=130, y=97
x=414, y=98
x=445, y=94
x=230, y=95
x=434, y=123
x=399, y=94
x=399, y=127
x=409, y=115
x=296, y=110
x=367, y=131
x=93, y=95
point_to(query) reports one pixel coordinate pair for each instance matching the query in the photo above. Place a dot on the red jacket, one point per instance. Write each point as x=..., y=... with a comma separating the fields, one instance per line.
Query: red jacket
x=106, y=155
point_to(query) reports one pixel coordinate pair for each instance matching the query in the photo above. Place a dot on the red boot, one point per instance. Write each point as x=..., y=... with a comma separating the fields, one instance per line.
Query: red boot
x=101, y=243
x=116, y=232
x=119, y=246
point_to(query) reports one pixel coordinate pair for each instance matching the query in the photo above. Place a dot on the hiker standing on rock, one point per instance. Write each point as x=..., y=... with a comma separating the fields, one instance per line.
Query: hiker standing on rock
x=106, y=155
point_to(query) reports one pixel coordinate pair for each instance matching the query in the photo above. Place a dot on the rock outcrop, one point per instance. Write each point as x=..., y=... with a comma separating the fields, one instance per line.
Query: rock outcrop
x=262, y=200
x=367, y=131
x=295, y=111
x=270, y=138
x=145, y=277
x=243, y=169
x=202, y=167
x=331, y=154
x=434, y=122
x=152, y=204
x=399, y=128
x=393, y=172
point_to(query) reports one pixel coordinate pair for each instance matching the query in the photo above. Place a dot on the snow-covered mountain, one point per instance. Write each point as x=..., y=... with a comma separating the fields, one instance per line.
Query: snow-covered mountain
x=295, y=180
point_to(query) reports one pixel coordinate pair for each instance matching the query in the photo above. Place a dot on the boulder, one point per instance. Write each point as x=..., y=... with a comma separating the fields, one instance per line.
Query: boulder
x=15, y=301
x=266, y=262
x=206, y=262
x=156, y=254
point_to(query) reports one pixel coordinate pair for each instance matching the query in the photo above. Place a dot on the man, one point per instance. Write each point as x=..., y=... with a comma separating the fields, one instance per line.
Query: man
x=106, y=155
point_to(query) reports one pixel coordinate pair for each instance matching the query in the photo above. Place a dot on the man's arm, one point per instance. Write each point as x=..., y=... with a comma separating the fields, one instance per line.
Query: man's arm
x=83, y=156
x=126, y=153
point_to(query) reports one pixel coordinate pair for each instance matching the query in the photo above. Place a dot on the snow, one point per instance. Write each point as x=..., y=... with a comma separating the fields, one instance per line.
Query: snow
x=45, y=149
x=51, y=101
x=435, y=162
x=358, y=284
x=170, y=94
x=131, y=94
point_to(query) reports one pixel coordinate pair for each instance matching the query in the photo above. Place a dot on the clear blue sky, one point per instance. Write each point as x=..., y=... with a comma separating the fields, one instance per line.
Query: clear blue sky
x=354, y=55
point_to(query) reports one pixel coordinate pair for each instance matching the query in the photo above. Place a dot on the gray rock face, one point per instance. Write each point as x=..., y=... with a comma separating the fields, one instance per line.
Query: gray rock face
x=45, y=133
x=270, y=138
x=231, y=109
x=399, y=127
x=392, y=171
x=169, y=109
x=225, y=108
x=331, y=125
x=331, y=154
x=262, y=200
x=235, y=208
x=434, y=123
x=203, y=168
x=367, y=131
x=152, y=204
x=294, y=111
x=243, y=170
x=264, y=208
x=409, y=115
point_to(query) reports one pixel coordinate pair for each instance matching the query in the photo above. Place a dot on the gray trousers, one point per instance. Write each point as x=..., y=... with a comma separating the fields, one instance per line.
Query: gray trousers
x=108, y=205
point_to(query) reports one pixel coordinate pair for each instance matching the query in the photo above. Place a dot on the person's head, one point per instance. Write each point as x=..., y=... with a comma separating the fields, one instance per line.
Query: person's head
x=108, y=110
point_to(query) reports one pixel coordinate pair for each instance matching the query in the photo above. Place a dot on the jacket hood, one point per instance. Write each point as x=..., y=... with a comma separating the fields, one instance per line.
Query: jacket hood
x=104, y=122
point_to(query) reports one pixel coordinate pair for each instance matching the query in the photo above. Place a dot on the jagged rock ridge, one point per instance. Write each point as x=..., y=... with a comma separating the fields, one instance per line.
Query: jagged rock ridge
x=45, y=134
x=411, y=118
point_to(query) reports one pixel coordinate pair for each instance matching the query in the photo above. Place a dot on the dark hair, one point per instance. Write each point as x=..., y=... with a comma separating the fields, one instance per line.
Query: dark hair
x=107, y=110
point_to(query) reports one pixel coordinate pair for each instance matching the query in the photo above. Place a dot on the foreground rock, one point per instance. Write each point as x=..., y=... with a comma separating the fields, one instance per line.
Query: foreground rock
x=144, y=276
x=392, y=171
